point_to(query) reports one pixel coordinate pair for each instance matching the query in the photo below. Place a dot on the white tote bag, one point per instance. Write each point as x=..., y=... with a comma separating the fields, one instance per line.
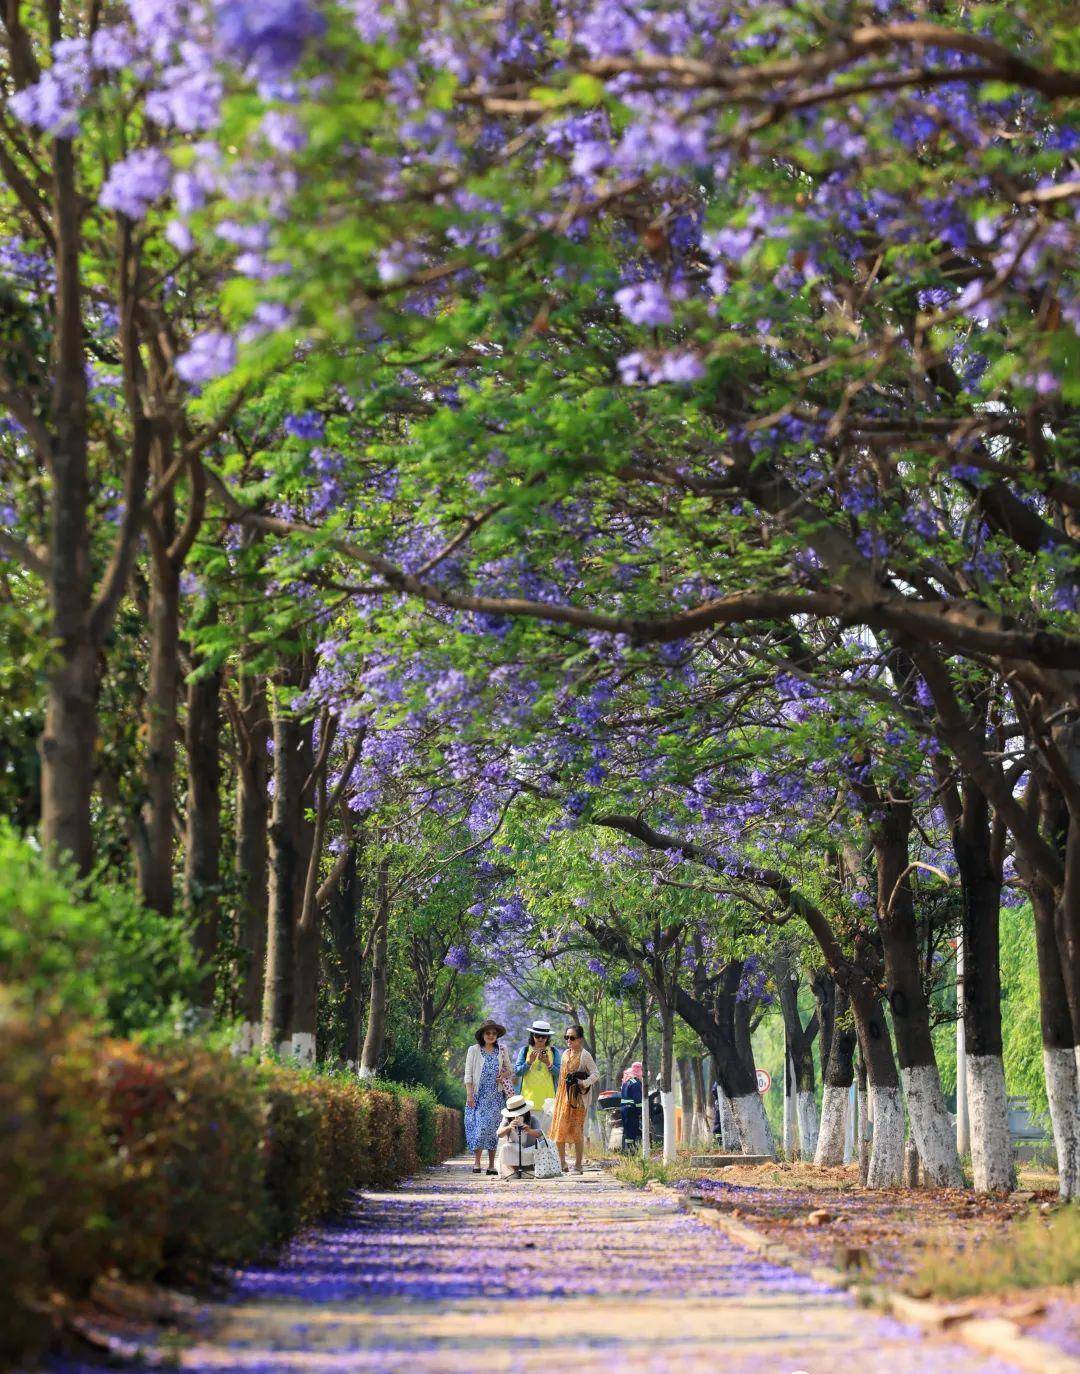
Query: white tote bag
x=547, y=1159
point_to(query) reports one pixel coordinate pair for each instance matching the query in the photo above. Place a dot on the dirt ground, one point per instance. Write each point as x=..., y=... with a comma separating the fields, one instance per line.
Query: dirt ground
x=885, y=1235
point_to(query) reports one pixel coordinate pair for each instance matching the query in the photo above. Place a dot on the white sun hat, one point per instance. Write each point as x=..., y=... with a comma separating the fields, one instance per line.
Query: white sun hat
x=540, y=1027
x=516, y=1106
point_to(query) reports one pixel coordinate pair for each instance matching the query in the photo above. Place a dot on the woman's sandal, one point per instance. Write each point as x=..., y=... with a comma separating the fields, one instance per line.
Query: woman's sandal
x=490, y=1171
x=478, y=1171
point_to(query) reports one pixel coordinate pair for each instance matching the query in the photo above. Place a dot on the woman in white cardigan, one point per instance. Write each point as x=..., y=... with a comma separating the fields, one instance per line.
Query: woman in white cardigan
x=489, y=1081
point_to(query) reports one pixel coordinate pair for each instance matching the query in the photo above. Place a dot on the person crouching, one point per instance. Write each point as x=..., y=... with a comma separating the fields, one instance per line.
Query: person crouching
x=517, y=1136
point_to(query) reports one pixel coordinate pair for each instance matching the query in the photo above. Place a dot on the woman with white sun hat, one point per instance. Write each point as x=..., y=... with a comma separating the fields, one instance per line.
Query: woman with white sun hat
x=537, y=1067
x=518, y=1135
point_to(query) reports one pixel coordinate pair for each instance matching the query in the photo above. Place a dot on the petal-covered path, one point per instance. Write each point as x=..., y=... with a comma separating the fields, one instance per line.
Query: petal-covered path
x=455, y=1274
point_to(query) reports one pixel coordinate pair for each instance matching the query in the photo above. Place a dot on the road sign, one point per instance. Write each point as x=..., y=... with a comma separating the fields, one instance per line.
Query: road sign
x=764, y=1081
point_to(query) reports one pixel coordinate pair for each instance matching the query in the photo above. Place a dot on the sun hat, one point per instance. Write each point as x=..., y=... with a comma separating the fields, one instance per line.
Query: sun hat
x=489, y=1024
x=516, y=1106
x=540, y=1027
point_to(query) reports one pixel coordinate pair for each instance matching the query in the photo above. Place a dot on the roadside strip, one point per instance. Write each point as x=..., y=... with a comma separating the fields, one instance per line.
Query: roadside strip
x=997, y=1336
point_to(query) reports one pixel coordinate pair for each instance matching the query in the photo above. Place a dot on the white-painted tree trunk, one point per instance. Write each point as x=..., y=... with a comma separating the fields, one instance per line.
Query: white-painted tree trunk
x=365, y=1072
x=963, y=1118
x=303, y=1047
x=832, y=1131
x=730, y=1139
x=790, y=1141
x=285, y=1050
x=1062, y=1069
x=248, y=1037
x=671, y=1133
x=807, y=1118
x=991, y=1147
x=887, y=1143
x=931, y=1126
x=700, y=1132
x=850, y=1150
x=755, y=1133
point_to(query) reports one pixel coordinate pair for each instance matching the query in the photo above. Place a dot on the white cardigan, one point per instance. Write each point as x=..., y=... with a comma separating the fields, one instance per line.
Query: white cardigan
x=474, y=1066
x=588, y=1063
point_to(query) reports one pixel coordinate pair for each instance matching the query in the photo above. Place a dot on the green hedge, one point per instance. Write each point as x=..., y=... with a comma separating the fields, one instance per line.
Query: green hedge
x=164, y=1163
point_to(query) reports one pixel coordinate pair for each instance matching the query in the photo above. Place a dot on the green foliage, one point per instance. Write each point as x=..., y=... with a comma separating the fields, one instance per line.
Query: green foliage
x=88, y=948
x=637, y=1172
x=1020, y=1025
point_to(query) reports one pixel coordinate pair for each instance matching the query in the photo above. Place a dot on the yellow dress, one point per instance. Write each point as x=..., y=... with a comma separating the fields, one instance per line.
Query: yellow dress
x=538, y=1084
x=568, y=1123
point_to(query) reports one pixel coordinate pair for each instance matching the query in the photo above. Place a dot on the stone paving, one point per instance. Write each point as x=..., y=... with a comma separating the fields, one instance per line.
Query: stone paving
x=455, y=1273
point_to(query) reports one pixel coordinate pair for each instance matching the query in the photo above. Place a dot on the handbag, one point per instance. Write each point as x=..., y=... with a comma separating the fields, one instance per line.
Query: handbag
x=547, y=1163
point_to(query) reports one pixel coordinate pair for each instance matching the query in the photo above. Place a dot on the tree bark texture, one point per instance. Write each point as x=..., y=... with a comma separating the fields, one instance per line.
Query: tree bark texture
x=375, y=1035
x=202, y=858
x=252, y=852
x=290, y=843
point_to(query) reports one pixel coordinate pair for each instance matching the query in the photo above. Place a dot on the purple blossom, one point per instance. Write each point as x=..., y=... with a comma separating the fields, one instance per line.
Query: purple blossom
x=309, y=424
x=53, y=102
x=134, y=184
x=211, y=354
x=267, y=37
x=644, y=303
x=457, y=958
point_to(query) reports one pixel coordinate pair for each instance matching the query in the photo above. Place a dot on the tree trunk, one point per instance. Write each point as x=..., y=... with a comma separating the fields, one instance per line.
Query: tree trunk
x=342, y=912
x=726, y=1036
x=667, y=1093
x=930, y=1122
x=308, y=951
x=686, y=1099
x=702, y=1129
x=375, y=1036
x=69, y=740
x=252, y=815
x=823, y=986
x=885, y=1165
x=838, y=1076
x=980, y=878
x=290, y=841
x=203, y=849
x=863, y=1125
x=1059, y=1047
x=800, y=1067
x=155, y=860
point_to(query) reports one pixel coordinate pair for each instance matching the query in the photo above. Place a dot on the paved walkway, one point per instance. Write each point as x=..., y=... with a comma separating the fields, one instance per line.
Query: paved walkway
x=458, y=1274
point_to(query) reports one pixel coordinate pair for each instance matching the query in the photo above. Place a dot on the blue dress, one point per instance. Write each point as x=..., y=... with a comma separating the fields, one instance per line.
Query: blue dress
x=482, y=1121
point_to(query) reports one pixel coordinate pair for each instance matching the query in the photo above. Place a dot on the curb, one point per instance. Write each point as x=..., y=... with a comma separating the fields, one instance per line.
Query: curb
x=995, y=1336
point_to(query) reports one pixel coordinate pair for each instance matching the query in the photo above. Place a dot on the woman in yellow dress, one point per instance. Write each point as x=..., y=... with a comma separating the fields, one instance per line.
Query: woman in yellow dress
x=537, y=1068
x=577, y=1076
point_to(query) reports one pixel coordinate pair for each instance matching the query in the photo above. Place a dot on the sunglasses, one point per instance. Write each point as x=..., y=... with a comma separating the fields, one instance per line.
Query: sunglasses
x=569, y=1037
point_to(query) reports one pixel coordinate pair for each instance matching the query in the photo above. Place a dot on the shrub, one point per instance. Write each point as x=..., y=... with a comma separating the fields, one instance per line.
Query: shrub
x=380, y=1124
x=53, y=1171
x=451, y=1135
x=427, y=1125
x=84, y=948
x=193, y=1120
x=168, y=1161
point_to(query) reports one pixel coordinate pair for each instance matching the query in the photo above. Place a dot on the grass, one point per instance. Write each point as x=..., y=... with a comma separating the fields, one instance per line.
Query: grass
x=637, y=1172
x=1038, y=1252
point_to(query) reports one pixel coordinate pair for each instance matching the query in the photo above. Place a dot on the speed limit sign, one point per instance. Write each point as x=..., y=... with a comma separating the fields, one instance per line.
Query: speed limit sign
x=764, y=1081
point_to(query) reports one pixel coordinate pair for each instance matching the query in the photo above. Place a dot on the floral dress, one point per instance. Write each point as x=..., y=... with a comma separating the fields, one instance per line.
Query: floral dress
x=482, y=1121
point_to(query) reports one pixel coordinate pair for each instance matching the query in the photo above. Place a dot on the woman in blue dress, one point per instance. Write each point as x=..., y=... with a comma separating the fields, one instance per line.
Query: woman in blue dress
x=489, y=1080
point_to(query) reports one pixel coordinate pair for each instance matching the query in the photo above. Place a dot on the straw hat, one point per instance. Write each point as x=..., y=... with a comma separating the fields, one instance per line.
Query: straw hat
x=489, y=1024
x=540, y=1027
x=516, y=1106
